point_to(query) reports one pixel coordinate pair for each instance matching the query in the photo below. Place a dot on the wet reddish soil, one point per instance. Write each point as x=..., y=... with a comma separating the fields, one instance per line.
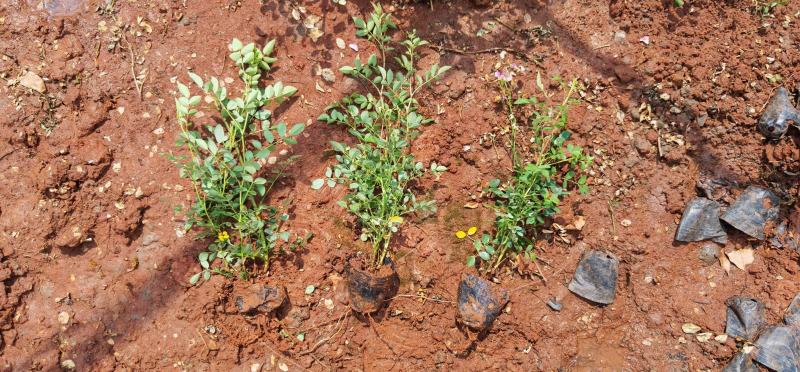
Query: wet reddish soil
x=95, y=266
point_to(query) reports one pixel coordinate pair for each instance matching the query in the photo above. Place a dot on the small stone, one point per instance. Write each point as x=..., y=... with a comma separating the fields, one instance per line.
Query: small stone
x=32, y=81
x=709, y=253
x=68, y=365
x=723, y=338
x=328, y=303
x=340, y=43
x=554, y=304
x=283, y=367
x=642, y=145
x=63, y=318
x=149, y=238
x=620, y=36
x=255, y=367
x=704, y=337
x=690, y=328
x=625, y=222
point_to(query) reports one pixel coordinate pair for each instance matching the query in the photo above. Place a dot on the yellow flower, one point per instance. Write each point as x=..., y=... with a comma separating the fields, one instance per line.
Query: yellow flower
x=460, y=234
x=472, y=230
x=222, y=236
x=396, y=219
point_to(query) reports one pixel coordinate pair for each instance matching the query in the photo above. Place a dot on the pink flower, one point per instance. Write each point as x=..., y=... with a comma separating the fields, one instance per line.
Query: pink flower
x=504, y=75
x=645, y=40
x=353, y=46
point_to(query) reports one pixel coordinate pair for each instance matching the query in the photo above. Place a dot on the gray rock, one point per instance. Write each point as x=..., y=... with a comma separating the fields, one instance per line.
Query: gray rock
x=745, y=317
x=149, y=238
x=700, y=221
x=752, y=210
x=554, y=304
x=709, y=253
x=595, y=278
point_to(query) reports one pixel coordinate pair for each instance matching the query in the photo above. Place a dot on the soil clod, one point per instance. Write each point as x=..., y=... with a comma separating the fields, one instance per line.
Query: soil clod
x=751, y=212
x=259, y=298
x=369, y=291
x=774, y=122
x=596, y=277
x=479, y=302
x=745, y=317
x=700, y=221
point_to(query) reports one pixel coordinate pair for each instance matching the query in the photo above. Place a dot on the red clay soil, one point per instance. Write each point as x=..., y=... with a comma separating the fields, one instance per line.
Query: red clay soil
x=95, y=266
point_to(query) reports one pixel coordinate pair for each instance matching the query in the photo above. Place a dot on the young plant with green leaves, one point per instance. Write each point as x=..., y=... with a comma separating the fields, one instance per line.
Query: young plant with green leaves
x=379, y=171
x=767, y=7
x=225, y=161
x=544, y=168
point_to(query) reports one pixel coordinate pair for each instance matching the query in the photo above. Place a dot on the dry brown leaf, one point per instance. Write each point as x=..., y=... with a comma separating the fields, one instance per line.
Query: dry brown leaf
x=471, y=205
x=579, y=222
x=726, y=265
x=741, y=258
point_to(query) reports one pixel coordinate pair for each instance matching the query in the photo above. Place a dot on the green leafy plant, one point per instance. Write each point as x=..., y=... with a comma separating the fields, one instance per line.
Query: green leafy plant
x=226, y=163
x=767, y=7
x=545, y=168
x=379, y=171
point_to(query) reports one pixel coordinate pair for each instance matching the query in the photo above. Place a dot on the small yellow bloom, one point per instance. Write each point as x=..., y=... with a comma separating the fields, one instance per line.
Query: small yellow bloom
x=222, y=236
x=472, y=230
x=396, y=219
x=460, y=234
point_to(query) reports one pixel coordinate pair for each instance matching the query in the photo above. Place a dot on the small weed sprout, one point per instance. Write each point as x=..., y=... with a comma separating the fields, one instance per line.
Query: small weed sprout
x=225, y=163
x=379, y=170
x=766, y=7
x=545, y=168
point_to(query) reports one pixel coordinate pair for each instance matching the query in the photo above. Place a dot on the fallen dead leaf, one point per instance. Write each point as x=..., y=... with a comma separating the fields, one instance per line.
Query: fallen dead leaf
x=471, y=205
x=726, y=265
x=741, y=258
x=578, y=224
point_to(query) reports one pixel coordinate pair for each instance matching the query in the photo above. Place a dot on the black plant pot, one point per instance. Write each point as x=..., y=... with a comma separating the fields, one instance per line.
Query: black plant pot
x=479, y=302
x=369, y=291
